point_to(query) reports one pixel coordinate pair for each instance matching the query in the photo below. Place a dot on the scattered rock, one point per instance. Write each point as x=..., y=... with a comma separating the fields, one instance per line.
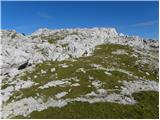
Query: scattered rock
x=43, y=72
x=60, y=95
x=75, y=84
x=53, y=69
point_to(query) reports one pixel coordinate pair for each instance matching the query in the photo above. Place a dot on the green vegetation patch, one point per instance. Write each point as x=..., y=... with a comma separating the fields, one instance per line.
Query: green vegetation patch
x=145, y=108
x=54, y=39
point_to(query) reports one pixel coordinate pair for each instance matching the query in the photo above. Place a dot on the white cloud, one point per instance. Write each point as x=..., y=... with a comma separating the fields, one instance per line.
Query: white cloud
x=140, y=24
x=44, y=15
x=147, y=23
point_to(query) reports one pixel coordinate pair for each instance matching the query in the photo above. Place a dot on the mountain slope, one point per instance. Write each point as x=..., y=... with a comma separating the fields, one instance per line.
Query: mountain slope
x=73, y=67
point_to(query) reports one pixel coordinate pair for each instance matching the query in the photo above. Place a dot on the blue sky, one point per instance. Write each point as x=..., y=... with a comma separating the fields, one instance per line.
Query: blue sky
x=132, y=18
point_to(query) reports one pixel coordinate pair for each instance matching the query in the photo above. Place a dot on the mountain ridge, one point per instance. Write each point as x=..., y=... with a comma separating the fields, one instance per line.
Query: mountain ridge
x=67, y=42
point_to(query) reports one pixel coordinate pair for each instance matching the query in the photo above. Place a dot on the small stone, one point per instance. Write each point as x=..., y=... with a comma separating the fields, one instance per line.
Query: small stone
x=60, y=95
x=35, y=76
x=147, y=73
x=63, y=65
x=119, y=81
x=91, y=78
x=76, y=84
x=53, y=70
x=43, y=72
x=108, y=73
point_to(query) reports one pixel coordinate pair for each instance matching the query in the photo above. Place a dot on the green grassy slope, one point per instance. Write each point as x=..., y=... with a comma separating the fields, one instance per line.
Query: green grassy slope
x=147, y=102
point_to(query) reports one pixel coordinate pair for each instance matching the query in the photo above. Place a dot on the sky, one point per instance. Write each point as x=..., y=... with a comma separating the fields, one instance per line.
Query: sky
x=130, y=18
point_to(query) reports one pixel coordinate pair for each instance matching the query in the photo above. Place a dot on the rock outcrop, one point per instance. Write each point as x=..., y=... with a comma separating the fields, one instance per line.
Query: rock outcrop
x=45, y=44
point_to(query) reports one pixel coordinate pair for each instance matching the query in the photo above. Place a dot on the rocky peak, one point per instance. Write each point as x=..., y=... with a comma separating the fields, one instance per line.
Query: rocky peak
x=40, y=31
x=12, y=34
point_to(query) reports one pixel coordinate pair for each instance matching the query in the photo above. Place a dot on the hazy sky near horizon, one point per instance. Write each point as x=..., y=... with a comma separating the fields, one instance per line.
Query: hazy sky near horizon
x=131, y=18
